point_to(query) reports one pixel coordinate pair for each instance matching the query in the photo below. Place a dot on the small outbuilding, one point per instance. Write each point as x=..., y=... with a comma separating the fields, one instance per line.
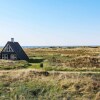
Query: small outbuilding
x=13, y=51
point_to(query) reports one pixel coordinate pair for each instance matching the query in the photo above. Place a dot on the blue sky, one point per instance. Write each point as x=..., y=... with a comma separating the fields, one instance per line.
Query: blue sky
x=50, y=22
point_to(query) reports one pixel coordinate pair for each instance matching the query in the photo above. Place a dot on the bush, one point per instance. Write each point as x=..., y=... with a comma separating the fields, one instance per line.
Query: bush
x=41, y=65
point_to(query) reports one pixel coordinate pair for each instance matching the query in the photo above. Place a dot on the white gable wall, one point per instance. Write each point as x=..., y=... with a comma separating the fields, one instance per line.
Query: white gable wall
x=8, y=49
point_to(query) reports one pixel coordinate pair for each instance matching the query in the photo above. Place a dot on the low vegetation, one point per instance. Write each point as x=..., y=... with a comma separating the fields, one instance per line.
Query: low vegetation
x=66, y=59
x=8, y=64
x=41, y=85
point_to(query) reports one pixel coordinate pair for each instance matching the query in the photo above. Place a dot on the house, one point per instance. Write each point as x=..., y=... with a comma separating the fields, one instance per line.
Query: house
x=13, y=51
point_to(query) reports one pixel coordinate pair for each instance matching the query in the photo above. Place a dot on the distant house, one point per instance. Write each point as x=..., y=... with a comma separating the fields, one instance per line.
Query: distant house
x=13, y=51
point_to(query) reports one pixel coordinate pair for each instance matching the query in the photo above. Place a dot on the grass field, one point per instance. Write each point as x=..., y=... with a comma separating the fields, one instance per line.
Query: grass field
x=52, y=74
x=41, y=85
x=66, y=59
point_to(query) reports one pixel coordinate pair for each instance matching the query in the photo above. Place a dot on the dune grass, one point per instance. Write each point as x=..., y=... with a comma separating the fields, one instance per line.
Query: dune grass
x=66, y=59
x=37, y=85
x=9, y=64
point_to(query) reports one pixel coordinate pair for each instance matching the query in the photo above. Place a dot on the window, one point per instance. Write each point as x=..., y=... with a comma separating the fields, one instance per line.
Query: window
x=4, y=56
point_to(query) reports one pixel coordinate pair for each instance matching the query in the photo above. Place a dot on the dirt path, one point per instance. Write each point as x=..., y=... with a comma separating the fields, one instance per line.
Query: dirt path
x=64, y=72
x=39, y=70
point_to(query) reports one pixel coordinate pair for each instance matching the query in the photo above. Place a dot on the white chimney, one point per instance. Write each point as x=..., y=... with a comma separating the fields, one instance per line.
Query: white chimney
x=12, y=39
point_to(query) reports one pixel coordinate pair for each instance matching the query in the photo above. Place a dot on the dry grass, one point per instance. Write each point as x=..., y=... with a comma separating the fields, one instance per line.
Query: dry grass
x=9, y=64
x=71, y=59
x=41, y=85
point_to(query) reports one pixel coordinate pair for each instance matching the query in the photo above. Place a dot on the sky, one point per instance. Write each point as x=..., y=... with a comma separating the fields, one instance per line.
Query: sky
x=50, y=22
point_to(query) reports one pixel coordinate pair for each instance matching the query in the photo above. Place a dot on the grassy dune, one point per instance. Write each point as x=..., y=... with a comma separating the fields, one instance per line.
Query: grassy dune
x=41, y=85
x=66, y=59
x=8, y=64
